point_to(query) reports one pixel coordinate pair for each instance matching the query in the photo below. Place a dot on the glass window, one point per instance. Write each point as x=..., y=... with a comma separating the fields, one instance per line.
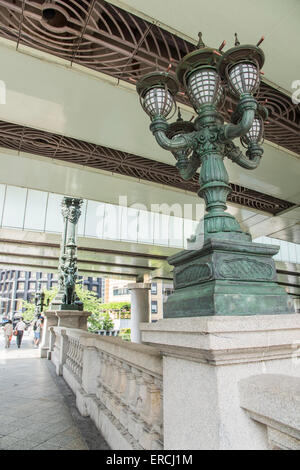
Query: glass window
x=21, y=285
x=2, y=193
x=94, y=219
x=35, y=210
x=32, y=285
x=161, y=229
x=14, y=208
x=54, y=219
x=145, y=227
x=154, y=288
x=123, y=291
x=153, y=306
x=129, y=224
x=176, y=231
x=112, y=222
x=81, y=221
x=190, y=227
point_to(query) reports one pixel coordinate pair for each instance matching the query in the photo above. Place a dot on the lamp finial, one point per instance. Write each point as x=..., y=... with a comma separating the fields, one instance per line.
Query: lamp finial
x=179, y=117
x=237, y=42
x=200, y=44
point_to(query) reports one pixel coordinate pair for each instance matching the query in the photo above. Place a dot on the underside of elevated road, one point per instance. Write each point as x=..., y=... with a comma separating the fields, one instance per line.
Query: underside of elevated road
x=78, y=111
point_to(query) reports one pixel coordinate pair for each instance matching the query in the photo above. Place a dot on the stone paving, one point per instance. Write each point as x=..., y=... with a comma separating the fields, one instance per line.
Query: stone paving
x=37, y=408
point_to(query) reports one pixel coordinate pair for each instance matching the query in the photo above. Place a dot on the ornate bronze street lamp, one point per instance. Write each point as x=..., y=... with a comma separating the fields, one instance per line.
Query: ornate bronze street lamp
x=39, y=300
x=67, y=269
x=229, y=275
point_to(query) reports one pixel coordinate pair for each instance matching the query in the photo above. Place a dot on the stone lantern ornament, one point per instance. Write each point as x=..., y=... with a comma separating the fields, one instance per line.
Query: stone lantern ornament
x=229, y=275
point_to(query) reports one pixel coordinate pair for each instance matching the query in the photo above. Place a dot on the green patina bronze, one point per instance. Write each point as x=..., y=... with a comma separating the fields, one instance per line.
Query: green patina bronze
x=66, y=298
x=229, y=275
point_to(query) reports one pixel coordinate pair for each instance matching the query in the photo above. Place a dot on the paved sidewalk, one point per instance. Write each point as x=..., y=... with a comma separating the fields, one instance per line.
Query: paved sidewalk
x=37, y=409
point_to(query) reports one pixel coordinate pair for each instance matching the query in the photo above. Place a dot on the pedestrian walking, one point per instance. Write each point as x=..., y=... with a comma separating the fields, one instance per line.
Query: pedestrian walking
x=8, y=332
x=37, y=329
x=20, y=328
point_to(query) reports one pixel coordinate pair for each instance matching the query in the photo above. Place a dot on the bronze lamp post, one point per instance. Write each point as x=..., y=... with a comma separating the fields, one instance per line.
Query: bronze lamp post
x=229, y=275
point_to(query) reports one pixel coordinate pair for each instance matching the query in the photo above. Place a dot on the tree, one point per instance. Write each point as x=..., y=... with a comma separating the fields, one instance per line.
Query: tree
x=99, y=319
x=107, y=322
x=28, y=313
x=91, y=303
x=123, y=308
x=29, y=306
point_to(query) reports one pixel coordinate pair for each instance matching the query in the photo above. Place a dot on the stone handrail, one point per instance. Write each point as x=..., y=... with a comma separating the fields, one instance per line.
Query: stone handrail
x=274, y=400
x=117, y=383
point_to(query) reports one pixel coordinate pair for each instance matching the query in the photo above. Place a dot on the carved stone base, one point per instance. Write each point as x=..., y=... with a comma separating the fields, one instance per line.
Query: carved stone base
x=226, y=277
x=73, y=319
x=75, y=306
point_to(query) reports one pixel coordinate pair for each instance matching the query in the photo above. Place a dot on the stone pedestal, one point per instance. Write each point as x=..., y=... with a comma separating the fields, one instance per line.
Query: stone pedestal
x=50, y=320
x=139, y=308
x=226, y=277
x=72, y=319
x=205, y=361
x=57, y=301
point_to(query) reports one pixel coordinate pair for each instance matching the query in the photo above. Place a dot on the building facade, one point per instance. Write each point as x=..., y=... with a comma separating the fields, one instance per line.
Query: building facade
x=117, y=291
x=16, y=286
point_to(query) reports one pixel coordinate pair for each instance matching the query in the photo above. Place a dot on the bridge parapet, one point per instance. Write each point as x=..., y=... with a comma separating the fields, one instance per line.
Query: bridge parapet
x=117, y=383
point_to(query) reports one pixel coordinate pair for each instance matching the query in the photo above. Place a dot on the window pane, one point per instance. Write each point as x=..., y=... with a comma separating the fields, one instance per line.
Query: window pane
x=161, y=229
x=129, y=224
x=35, y=210
x=14, y=207
x=80, y=230
x=94, y=219
x=176, y=231
x=54, y=220
x=112, y=222
x=2, y=193
x=145, y=227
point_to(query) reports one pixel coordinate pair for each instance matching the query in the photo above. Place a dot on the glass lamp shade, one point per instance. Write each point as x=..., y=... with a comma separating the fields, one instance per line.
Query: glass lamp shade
x=244, y=78
x=158, y=102
x=204, y=87
x=254, y=134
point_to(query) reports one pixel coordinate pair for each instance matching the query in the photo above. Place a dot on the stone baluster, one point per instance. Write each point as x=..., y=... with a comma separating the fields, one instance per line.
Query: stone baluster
x=151, y=437
x=127, y=395
x=107, y=381
x=100, y=379
x=134, y=420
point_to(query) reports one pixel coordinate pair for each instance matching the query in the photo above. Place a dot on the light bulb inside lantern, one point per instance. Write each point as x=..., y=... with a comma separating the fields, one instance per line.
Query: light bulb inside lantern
x=204, y=87
x=244, y=78
x=254, y=134
x=158, y=102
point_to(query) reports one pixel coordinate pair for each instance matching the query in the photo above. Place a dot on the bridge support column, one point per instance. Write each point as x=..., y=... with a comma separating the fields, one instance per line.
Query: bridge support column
x=139, y=308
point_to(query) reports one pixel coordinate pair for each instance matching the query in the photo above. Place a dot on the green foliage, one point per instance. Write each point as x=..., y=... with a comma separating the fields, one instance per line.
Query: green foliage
x=90, y=300
x=107, y=322
x=91, y=303
x=28, y=313
x=125, y=334
x=49, y=296
x=29, y=307
x=121, y=308
x=100, y=318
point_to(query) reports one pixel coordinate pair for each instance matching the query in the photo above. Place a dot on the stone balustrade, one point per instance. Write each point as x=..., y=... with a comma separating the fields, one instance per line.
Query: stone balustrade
x=274, y=401
x=117, y=383
x=226, y=383
x=74, y=359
